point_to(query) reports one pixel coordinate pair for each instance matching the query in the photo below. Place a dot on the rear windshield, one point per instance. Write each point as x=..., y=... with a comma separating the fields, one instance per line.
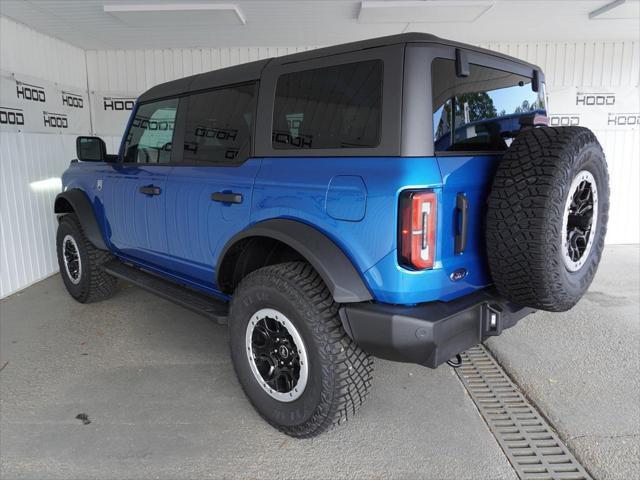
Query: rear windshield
x=483, y=111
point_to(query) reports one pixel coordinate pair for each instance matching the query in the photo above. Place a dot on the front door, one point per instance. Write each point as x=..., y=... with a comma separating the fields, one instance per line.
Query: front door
x=133, y=195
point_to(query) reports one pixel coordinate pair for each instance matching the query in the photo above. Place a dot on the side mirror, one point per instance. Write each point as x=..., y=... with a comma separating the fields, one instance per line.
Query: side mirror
x=91, y=149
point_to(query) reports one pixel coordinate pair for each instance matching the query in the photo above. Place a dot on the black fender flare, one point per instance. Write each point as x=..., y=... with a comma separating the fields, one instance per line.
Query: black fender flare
x=81, y=206
x=336, y=269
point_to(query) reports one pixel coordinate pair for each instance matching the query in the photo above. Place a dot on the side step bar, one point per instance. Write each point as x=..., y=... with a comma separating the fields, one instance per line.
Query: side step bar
x=210, y=307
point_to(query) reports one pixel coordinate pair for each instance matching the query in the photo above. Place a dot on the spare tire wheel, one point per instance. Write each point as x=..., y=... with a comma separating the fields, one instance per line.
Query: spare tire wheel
x=547, y=217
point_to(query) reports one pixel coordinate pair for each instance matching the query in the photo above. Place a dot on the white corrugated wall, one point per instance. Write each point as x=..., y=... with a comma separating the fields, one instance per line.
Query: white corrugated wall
x=137, y=70
x=604, y=67
x=27, y=227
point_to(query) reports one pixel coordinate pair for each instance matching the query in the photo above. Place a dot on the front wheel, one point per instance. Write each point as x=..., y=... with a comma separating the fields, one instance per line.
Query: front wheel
x=81, y=263
x=300, y=370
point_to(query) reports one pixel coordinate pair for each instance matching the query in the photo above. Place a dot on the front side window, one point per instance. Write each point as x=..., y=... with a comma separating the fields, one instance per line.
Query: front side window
x=150, y=137
x=218, y=125
x=481, y=112
x=332, y=107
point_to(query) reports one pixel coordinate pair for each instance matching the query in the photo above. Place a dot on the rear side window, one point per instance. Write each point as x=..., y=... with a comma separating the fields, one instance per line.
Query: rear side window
x=150, y=138
x=332, y=107
x=481, y=112
x=218, y=125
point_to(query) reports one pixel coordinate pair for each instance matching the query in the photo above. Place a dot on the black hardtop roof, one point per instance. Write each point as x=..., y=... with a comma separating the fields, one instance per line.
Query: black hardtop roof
x=245, y=72
x=252, y=71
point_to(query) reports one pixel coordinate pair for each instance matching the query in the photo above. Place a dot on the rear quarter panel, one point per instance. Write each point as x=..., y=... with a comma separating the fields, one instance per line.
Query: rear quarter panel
x=392, y=283
x=297, y=188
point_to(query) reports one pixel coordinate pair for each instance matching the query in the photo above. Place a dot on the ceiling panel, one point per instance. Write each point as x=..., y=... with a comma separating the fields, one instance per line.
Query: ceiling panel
x=319, y=22
x=167, y=15
x=419, y=11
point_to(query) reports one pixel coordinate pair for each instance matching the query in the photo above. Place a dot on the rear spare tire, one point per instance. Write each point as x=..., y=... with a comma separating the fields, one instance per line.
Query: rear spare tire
x=547, y=217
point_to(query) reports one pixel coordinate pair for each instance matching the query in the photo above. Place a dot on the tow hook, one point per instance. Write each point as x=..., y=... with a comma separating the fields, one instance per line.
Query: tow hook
x=455, y=362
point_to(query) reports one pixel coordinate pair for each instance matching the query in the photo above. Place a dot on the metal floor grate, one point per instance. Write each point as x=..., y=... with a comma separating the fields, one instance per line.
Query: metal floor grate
x=532, y=447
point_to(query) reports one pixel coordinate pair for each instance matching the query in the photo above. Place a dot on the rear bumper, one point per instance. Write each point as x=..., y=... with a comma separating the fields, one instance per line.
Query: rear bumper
x=431, y=333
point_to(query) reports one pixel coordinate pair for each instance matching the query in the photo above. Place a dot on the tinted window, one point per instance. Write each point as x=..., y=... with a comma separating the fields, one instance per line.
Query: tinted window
x=218, y=125
x=151, y=134
x=485, y=110
x=333, y=107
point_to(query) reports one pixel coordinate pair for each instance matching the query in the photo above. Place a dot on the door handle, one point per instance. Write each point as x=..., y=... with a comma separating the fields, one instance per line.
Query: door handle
x=462, y=209
x=226, y=197
x=150, y=190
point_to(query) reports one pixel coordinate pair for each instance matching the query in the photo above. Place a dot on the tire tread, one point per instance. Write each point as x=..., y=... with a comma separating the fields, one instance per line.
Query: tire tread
x=525, y=211
x=100, y=285
x=349, y=368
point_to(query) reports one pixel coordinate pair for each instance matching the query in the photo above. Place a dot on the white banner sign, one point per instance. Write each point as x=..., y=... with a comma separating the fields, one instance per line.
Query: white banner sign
x=595, y=108
x=111, y=112
x=28, y=104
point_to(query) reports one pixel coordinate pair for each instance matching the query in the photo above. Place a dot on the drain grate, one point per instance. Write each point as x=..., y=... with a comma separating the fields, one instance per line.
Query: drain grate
x=532, y=447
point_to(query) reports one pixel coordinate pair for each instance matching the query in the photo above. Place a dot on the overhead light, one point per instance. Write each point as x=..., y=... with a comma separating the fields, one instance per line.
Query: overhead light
x=616, y=10
x=149, y=15
x=422, y=11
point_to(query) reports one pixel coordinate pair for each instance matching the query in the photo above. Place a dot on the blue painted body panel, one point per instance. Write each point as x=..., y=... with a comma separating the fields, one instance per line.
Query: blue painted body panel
x=134, y=223
x=346, y=198
x=199, y=228
x=395, y=284
x=352, y=200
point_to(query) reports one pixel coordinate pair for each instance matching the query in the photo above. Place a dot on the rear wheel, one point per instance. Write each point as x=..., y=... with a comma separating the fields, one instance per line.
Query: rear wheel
x=81, y=263
x=295, y=362
x=547, y=217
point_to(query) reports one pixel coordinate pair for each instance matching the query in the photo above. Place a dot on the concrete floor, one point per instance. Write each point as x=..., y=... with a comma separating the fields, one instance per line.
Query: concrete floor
x=157, y=385
x=582, y=368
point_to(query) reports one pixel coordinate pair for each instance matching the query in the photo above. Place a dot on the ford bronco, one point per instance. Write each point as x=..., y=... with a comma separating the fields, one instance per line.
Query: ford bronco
x=400, y=197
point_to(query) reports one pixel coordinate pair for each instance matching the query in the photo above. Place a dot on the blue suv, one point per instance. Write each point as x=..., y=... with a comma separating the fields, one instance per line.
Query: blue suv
x=400, y=197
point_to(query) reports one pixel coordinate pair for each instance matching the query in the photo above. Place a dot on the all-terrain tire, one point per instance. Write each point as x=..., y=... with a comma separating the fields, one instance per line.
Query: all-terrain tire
x=88, y=283
x=526, y=213
x=339, y=372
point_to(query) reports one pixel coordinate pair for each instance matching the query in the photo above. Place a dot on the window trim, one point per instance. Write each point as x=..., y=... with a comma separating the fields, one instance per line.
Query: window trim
x=378, y=137
x=392, y=57
x=123, y=143
x=453, y=108
x=178, y=160
x=417, y=112
x=179, y=129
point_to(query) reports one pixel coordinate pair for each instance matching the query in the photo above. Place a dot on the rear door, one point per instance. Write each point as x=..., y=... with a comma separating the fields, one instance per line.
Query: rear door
x=208, y=193
x=475, y=119
x=133, y=191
